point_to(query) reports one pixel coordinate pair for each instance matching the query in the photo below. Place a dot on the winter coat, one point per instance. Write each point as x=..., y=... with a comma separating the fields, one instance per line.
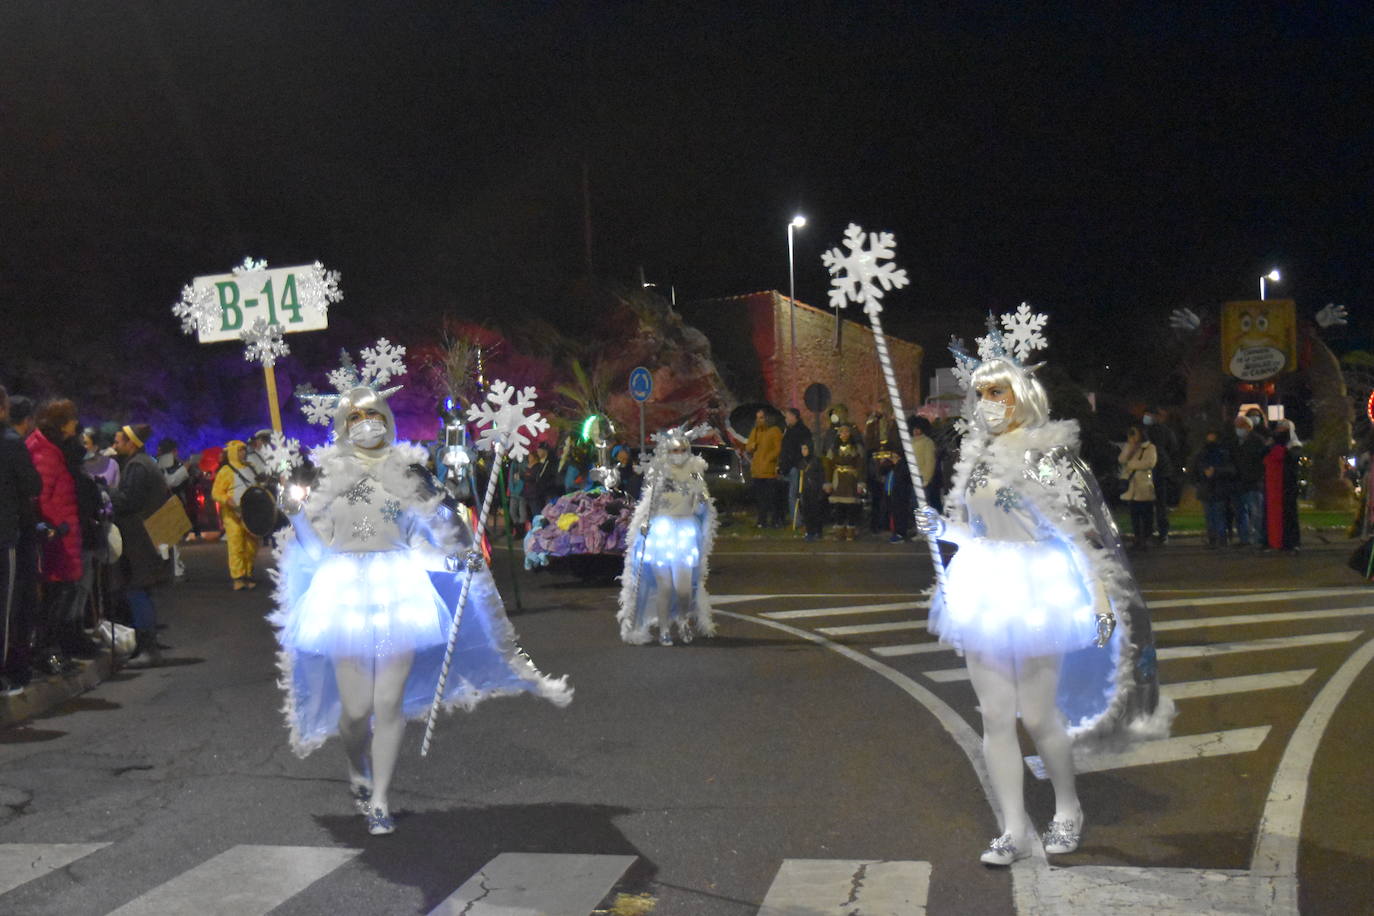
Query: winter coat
x=764, y=444
x=60, y=560
x=789, y=456
x=1136, y=471
x=1221, y=483
x=1249, y=454
x=142, y=491
x=19, y=486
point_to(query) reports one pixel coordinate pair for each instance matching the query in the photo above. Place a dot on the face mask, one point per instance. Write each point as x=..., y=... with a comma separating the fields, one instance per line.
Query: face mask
x=678, y=458
x=995, y=414
x=1147, y=420
x=367, y=433
x=1241, y=433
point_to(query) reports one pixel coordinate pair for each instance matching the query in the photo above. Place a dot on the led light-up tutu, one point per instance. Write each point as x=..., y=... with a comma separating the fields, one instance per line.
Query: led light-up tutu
x=370, y=580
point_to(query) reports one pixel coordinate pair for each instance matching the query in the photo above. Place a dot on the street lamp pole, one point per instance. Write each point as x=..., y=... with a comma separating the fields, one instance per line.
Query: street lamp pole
x=797, y=222
x=1272, y=275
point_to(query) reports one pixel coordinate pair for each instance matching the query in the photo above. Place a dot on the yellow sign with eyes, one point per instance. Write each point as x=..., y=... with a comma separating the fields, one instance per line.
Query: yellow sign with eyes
x=1259, y=339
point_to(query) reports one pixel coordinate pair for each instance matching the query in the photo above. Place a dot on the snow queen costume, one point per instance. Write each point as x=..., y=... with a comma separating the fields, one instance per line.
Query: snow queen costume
x=1039, y=597
x=364, y=600
x=671, y=535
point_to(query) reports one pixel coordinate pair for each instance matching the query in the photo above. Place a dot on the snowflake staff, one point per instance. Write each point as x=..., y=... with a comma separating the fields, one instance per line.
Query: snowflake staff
x=1033, y=597
x=856, y=278
x=505, y=420
x=364, y=616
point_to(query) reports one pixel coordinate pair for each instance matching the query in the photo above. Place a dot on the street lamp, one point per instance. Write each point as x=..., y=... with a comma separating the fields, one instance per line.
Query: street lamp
x=797, y=222
x=1272, y=275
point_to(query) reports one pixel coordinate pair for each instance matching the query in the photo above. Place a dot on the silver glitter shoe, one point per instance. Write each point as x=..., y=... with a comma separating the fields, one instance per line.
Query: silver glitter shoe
x=665, y=639
x=1063, y=835
x=379, y=823
x=686, y=633
x=362, y=798
x=1003, y=851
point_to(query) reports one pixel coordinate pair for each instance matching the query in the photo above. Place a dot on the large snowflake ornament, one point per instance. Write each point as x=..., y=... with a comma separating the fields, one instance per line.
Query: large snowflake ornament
x=281, y=454
x=382, y=362
x=857, y=276
x=319, y=288
x=506, y=421
x=1023, y=328
x=197, y=309
x=264, y=343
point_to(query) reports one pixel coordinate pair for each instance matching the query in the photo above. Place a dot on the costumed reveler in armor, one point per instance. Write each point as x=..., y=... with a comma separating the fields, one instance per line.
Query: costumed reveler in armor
x=361, y=626
x=1039, y=598
x=671, y=534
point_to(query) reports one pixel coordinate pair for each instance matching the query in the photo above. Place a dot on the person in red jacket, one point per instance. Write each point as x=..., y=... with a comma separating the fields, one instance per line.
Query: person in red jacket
x=60, y=557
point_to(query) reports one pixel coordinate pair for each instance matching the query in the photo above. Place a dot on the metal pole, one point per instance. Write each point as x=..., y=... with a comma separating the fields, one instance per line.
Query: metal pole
x=1261, y=287
x=792, y=311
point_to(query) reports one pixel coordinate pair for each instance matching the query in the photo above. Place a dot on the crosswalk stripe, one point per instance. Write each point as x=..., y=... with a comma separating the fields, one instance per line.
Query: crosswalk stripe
x=21, y=863
x=241, y=881
x=1257, y=645
x=1241, y=619
x=845, y=610
x=1227, y=685
x=911, y=648
x=858, y=629
x=842, y=887
x=1165, y=750
x=528, y=883
x=1256, y=597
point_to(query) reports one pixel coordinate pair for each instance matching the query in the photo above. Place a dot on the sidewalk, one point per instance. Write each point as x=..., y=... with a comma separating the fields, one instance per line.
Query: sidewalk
x=45, y=693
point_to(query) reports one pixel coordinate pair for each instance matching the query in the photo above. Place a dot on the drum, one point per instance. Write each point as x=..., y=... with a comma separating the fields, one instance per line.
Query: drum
x=258, y=506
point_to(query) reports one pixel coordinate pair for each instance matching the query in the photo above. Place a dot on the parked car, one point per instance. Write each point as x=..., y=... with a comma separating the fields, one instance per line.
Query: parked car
x=724, y=475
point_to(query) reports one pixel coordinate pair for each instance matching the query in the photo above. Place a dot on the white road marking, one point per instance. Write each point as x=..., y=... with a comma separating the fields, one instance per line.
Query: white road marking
x=1244, y=684
x=1166, y=750
x=858, y=629
x=1276, y=848
x=1257, y=645
x=1253, y=597
x=536, y=884
x=717, y=600
x=1124, y=890
x=241, y=881
x=1242, y=619
x=849, y=609
x=911, y=648
x=21, y=863
x=843, y=887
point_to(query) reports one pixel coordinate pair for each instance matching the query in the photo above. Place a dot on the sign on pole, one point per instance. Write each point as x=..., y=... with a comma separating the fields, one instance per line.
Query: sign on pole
x=641, y=386
x=1259, y=339
x=273, y=294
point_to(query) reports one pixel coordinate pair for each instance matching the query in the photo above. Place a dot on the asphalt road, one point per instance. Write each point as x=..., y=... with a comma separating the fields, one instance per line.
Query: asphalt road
x=818, y=756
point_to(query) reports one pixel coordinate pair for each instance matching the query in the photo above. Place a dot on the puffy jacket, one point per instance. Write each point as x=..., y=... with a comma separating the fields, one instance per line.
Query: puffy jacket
x=19, y=487
x=765, y=443
x=61, y=560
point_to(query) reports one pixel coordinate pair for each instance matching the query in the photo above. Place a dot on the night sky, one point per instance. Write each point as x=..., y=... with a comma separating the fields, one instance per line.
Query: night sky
x=1107, y=167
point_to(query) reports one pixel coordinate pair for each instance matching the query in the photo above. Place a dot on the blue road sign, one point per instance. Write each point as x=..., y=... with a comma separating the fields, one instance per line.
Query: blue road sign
x=641, y=384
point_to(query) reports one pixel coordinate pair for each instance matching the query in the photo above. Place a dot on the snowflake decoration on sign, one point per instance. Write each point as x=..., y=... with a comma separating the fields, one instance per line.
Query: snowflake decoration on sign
x=1023, y=331
x=382, y=362
x=858, y=274
x=264, y=343
x=319, y=288
x=197, y=308
x=505, y=418
x=281, y=454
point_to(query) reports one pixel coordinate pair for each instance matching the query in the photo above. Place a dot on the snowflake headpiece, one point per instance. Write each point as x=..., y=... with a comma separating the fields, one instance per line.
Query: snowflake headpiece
x=356, y=388
x=671, y=439
x=1013, y=342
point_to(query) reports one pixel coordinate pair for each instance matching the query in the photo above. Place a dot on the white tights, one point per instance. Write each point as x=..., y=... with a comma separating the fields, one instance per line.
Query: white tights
x=370, y=691
x=1026, y=685
x=672, y=579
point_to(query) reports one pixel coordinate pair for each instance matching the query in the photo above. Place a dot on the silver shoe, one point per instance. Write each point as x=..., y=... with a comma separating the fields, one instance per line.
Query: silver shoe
x=1003, y=851
x=362, y=798
x=665, y=638
x=1063, y=835
x=379, y=823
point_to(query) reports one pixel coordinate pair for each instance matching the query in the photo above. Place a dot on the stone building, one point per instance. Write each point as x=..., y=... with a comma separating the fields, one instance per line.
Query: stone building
x=751, y=343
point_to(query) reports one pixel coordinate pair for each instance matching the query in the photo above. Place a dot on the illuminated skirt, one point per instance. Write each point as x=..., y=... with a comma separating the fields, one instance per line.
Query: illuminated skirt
x=1014, y=599
x=672, y=541
x=368, y=605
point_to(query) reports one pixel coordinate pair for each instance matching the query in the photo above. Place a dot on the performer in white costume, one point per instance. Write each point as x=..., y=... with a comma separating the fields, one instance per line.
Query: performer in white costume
x=365, y=589
x=671, y=534
x=1039, y=598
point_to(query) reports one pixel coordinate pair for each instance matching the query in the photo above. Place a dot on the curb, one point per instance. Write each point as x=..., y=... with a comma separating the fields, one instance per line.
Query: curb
x=46, y=693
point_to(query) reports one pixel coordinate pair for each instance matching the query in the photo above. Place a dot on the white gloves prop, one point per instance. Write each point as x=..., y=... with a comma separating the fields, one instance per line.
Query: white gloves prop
x=930, y=523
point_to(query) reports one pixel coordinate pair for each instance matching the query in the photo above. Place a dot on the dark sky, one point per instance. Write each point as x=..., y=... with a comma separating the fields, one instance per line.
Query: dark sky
x=1108, y=167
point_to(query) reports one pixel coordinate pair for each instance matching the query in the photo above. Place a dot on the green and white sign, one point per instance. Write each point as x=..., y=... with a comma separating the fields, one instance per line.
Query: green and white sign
x=281, y=295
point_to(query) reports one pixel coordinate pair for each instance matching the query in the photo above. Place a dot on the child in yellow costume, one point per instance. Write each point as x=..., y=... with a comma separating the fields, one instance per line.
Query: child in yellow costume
x=230, y=483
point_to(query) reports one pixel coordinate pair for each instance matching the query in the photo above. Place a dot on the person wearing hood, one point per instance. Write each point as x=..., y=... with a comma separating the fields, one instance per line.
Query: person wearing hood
x=369, y=575
x=232, y=480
